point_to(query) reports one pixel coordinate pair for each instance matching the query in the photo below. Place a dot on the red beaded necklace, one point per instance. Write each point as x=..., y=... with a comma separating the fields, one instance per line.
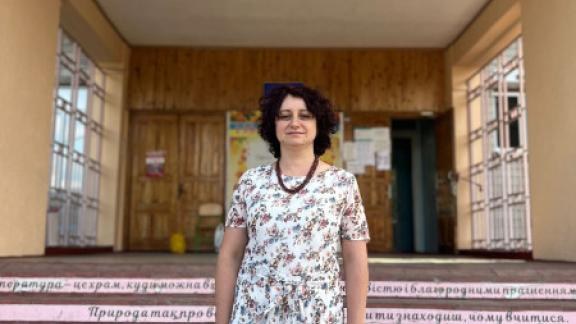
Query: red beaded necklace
x=303, y=184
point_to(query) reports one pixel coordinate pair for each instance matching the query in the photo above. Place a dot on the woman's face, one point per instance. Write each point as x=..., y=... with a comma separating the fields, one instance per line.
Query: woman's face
x=295, y=125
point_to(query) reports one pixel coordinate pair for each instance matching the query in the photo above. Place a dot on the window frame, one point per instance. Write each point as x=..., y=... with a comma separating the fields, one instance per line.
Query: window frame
x=75, y=163
x=497, y=221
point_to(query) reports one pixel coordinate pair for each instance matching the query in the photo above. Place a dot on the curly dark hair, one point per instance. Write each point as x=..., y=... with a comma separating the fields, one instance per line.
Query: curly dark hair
x=316, y=103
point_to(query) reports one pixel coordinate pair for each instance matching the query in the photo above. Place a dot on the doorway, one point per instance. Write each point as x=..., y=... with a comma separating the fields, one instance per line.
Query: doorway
x=414, y=166
x=403, y=201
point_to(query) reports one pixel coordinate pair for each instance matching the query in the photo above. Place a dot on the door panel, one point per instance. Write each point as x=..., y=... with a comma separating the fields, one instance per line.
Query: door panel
x=374, y=186
x=154, y=199
x=403, y=207
x=201, y=168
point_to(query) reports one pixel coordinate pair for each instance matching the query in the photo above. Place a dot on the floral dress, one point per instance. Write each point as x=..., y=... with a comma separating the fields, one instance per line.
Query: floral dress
x=290, y=271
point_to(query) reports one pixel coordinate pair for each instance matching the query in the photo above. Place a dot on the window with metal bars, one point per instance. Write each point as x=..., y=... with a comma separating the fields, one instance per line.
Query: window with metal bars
x=73, y=203
x=498, y=154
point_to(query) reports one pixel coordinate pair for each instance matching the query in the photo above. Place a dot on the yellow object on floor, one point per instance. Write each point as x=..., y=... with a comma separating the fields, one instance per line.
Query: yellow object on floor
x=178, y=243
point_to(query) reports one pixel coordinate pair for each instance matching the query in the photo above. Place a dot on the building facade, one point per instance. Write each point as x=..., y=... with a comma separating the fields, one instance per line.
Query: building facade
x=176, y=100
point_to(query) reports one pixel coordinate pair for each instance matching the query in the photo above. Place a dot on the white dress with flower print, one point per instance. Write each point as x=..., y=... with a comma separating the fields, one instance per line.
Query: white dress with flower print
x=290, y=271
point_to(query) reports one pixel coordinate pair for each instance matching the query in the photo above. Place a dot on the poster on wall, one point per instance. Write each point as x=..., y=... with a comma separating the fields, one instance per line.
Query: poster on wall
x=155, y=162
x=245, y=148
x=371, y=147
x=382, y=147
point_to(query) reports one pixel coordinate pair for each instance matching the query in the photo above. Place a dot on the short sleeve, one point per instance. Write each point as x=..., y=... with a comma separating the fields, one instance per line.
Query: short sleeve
x=353, y=225
x=237, y=213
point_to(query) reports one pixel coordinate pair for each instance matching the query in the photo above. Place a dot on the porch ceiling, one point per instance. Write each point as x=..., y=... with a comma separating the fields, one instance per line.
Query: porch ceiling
x=296, y=23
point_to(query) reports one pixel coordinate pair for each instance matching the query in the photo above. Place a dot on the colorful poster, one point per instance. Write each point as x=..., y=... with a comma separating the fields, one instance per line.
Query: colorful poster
x=245, y=147
x=155, y=161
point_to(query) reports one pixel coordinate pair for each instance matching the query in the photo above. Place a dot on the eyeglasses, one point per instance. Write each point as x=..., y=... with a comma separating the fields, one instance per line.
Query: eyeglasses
x=289, y=117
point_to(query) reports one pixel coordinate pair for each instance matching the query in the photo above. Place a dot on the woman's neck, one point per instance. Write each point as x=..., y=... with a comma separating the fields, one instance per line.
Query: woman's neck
x=296, y=162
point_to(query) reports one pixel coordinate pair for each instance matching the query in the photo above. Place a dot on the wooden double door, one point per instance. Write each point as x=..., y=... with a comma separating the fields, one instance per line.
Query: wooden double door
x=374, y=186
x=177, y=163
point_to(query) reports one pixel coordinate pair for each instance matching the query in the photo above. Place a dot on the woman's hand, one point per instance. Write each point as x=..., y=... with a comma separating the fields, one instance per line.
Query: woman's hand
x=356, y=276
x=229, y=260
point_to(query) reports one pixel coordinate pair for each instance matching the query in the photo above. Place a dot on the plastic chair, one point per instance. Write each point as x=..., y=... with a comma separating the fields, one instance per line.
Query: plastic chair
x=209, y=216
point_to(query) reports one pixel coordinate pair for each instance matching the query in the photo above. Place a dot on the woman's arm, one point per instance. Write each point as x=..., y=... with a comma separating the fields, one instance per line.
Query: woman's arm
x=229, y=260
x=356, y=277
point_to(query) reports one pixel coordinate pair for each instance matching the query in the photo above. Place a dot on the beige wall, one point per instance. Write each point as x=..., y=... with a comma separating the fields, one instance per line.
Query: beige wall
x=28, y=65
x=28, y=72
x=111, y=193
x=85, y=23
x=549, y=50
x=550, y=64
x=496, y=26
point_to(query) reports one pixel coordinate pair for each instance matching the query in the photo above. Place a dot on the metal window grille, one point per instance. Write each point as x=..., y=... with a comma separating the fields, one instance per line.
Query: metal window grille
x=73, y=202
x=498, y=153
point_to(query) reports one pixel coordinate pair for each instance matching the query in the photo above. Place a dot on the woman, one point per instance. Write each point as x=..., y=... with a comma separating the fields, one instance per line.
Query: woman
x=278, y=259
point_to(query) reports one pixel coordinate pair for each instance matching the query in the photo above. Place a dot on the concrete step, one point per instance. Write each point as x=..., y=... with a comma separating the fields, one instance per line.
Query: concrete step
x=199, y=300
x=489, y=272
x=150, y=270
x=91, y=299
x=18, y=313
x=205, y=286
x=400, y=292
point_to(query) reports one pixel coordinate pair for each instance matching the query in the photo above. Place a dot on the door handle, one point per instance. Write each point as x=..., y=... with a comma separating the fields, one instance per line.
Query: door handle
x=180, y=190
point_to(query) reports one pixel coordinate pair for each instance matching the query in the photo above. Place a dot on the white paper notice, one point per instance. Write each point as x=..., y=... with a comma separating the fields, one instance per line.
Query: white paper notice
x=365, y=152
x=349, y=153
x=382, y=161
x=382, y=145
x=354, y=167
x=381, y=139
x=363, y=134
x=380, y=133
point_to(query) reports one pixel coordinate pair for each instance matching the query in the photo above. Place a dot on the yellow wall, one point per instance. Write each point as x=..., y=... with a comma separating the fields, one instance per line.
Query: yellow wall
x=550, y=64
x=28, y=47
x=496, y=26
x=28, y=73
